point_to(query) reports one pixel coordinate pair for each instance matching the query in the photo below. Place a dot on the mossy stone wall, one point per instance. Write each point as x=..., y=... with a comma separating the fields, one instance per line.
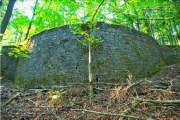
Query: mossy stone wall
x=57, y=57
x=8, y=64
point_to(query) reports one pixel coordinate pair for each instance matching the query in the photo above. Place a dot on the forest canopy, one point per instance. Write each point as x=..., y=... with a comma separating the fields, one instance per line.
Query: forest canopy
x=158, y=18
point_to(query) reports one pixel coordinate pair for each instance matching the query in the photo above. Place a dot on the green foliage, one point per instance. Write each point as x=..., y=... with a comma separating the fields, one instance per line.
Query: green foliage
x=3, y=9
x=84, y=30
x=19, y=52
x=158, y=18
x=54, y=96
x=94, y=41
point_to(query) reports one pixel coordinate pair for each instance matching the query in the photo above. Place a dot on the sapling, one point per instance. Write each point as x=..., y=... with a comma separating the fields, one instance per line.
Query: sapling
x=89, y=40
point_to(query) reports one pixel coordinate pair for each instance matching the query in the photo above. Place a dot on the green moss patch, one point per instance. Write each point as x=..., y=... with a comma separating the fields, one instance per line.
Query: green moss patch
x=20, y=81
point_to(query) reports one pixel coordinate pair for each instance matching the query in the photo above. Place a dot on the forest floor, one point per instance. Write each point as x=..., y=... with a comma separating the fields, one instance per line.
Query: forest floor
x=156, y=98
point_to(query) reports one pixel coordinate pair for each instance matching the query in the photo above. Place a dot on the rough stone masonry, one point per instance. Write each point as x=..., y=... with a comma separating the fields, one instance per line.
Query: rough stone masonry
x=58, y=58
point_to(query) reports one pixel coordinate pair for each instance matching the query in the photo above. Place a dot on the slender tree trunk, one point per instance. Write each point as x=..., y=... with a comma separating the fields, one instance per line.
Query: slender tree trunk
x=149, y=24
x=7, y=16
x=1, y=3
x=89, y=64
x=31, y=20
x=90, y=73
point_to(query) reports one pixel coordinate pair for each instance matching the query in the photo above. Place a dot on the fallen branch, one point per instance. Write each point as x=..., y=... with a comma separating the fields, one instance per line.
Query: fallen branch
x=55, y=115
x=98, y=83
x=60, y=87
x=11, y=99
x=132, y=85
x=162, y=90
x=135, y=84
x=112, y=84
x=159, y=101
x=104, y=113
x=18, y=95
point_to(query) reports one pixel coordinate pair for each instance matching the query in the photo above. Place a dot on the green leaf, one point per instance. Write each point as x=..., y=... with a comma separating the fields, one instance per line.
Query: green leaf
x=90, y=94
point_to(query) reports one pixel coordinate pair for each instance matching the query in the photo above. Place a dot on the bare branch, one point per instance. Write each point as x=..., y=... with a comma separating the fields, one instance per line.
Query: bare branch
x=104, y=113
x=11, y=99
x=160, y=101
x=97, y=10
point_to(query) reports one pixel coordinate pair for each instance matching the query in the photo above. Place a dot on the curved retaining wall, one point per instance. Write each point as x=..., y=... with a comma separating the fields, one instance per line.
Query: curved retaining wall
x=57, y=57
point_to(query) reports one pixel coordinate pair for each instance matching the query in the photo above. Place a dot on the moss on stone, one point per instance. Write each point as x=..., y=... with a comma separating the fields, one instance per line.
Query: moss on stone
x=20, y=81
x=99, y=63
x=48, y=81
x=64, y=41
x=97, y=46
x=43, y=81
x=127, y=41
x=59, y=79
x=19, y=62
x=56, y=79
x=85, y=49
x=44, y=61
x=3, y=70
x=158, y=68
x=30, y=83
x=130, y=66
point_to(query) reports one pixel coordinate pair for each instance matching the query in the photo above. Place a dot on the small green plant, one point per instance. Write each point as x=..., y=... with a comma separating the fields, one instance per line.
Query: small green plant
x=54, y=97
x=19, y=52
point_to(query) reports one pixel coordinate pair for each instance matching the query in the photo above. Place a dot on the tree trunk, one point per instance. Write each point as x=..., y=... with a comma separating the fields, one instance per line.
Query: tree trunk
x=31, y=21
x=0, y=3
x=90, y=73
x=7, y=16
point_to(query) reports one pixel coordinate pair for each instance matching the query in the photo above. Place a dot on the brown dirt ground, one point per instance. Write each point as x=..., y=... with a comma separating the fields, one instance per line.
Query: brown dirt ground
x=156, y=98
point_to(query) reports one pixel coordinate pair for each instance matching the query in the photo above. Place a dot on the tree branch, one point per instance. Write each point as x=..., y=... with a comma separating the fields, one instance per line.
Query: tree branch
x=97, y=11
x=29, y=27
x=159, y=101
x=11, y=99
x=104, y=113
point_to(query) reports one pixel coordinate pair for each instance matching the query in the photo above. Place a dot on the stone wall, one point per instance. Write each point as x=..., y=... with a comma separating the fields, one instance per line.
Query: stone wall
x=57, y=57
x=171, y=54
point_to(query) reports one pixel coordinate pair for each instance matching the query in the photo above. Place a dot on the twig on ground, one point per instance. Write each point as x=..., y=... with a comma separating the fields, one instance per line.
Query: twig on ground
x=11, y=99
x=105, y=113
x=55, y=115
x=159, y=101
x=162, y=90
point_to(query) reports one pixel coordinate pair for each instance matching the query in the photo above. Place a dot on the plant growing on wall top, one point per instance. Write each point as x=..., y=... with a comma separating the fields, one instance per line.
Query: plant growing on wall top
x=19, y=52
